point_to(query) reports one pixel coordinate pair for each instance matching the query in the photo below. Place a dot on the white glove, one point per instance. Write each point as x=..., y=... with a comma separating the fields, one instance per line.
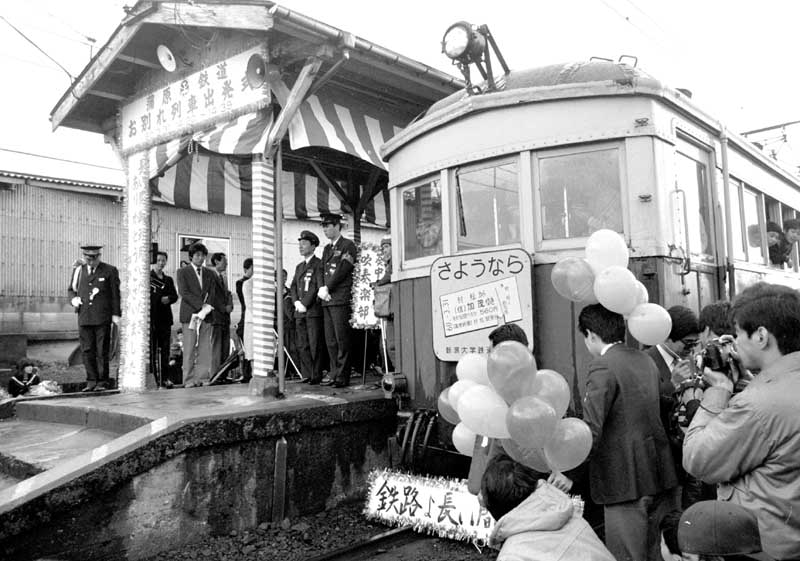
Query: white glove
x=204, y=311
x=116, y=319
x=300, y=307
x=76, y=301
x=323, y=294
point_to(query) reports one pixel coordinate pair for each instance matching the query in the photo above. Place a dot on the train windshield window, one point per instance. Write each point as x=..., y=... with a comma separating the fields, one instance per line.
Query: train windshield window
x=487, y=205
x=580, y=193
x=422, y=220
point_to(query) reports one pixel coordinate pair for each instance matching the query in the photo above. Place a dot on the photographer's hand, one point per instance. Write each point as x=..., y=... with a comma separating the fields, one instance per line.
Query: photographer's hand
x=717, y=379
x=681, y=372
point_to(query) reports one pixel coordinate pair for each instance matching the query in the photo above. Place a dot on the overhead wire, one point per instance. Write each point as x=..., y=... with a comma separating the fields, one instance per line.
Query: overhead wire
x=41, y=50
x=66, y=160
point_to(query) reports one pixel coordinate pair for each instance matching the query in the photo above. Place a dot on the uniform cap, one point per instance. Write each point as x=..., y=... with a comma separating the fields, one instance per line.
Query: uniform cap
x=330, y=218
x=386, y=240
x=718, y=528
x=309, y=236
x=91, y=249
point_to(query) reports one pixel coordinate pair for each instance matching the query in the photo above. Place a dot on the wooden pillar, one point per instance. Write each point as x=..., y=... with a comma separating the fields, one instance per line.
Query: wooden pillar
x=264, y=243
x=135, y=272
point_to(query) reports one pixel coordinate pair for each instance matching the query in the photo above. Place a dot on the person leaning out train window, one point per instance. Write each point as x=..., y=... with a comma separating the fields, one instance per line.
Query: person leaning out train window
x=780, y=249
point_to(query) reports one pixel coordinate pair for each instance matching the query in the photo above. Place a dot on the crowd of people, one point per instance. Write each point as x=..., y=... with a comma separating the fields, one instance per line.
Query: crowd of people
x=316, y=313
x=691, y=450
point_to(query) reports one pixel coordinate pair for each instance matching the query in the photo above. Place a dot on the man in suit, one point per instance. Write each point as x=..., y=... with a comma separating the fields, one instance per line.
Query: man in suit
x=338, y=262
x=162, y=296
x=94, y=293
x=632, y=473
x=221, y=317
x=307, y=309
x=197, y=286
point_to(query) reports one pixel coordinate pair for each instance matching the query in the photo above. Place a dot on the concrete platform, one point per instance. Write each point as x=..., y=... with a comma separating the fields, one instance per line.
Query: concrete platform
x=165, y=467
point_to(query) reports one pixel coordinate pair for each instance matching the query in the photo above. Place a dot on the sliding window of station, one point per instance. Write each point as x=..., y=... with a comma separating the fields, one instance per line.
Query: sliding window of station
x=542, y=168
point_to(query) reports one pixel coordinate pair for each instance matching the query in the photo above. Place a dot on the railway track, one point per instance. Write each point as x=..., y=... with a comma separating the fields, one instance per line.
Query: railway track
x=388, y=543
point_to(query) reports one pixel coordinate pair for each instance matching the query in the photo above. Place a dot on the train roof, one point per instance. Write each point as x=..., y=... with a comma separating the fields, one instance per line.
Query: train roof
x=560, y=74
x=572, y=80
x=553, y=82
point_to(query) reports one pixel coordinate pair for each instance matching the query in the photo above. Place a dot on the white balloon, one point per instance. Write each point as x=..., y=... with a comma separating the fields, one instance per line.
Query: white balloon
x=483, y=411
x=457, y=390
x=606, y=248
x=473, y=367
x=464, y=439
x=649, y=324
x=616, y=289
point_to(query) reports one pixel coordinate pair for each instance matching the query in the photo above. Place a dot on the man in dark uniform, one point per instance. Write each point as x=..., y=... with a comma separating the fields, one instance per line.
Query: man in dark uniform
x=95, y=295
x=307, y=310
x=338, y=262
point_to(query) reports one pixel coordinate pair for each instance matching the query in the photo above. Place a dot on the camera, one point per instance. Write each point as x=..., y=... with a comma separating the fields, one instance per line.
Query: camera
x=720, y=355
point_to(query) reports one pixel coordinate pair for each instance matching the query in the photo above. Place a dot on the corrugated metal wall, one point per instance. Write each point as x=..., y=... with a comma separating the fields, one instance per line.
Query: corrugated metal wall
x=41, y=231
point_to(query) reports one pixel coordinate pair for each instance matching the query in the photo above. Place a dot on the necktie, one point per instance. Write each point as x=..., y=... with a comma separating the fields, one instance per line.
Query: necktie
x=91, y=270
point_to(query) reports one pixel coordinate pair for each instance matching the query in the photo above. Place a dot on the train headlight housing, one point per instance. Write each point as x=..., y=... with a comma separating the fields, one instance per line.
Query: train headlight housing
x=463, y=43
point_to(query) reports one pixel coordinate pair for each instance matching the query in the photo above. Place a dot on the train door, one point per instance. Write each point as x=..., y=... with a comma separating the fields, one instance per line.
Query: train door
x=702, y=280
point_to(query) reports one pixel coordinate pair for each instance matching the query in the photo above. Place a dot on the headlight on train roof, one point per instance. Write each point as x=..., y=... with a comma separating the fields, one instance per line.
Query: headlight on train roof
x=463, y=43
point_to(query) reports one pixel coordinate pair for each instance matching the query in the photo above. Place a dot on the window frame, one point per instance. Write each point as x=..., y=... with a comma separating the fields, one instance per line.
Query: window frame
x=571, y=243
x=426, y=260
x=453, y=211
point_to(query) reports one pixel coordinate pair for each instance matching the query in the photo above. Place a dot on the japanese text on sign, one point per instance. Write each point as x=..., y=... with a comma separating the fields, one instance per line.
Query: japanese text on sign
x=471, y=294
x=369, y=269
x=214, y=91
x=430, y=505
x=479, y=307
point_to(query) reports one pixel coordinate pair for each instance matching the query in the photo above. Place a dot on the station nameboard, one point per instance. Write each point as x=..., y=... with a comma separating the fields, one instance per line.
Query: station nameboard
x=220, y=91
x=472, y=294
x=431, y=505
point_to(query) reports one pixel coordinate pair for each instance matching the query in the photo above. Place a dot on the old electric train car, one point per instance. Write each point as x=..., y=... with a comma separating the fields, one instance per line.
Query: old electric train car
x=540, y=162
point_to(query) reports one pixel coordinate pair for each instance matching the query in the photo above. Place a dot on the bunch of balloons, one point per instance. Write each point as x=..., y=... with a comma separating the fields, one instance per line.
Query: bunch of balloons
x=506, y=397
x=603, y=276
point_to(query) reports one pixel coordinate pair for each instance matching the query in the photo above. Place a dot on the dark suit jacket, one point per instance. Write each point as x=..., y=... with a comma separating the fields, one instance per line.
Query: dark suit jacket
x=160, y=313
x=192, y=297
x=307, y=274
x=667, y=400
x=338, y=262
x=97, y=309
x=630, y=456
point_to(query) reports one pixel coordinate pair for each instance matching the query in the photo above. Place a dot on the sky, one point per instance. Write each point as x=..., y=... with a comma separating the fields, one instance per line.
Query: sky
x=738, y=58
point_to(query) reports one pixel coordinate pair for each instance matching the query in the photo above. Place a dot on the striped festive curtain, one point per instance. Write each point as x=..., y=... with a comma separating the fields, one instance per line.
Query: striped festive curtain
x=206, y=171
x=211, y=170
x=346, y=124
x=305, y=197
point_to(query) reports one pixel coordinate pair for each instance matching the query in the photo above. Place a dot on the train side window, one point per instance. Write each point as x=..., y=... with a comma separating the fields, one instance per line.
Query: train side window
x=580, y=193
x=692, y=178
x=792, y=234
x=422, y=220
x=737, y=232
x=487, y=205
x=754, y=224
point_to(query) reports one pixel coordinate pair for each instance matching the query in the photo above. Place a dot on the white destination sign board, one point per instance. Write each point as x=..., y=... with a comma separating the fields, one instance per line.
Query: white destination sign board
x=474, y=293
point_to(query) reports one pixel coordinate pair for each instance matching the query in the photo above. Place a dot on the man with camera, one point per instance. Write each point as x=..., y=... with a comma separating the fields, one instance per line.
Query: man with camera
x=749, y=443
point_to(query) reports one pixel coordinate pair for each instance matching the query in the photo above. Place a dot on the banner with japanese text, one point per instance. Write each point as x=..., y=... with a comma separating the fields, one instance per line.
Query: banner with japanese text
x=221, y=91
x=472, y=294
x=431, y=505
